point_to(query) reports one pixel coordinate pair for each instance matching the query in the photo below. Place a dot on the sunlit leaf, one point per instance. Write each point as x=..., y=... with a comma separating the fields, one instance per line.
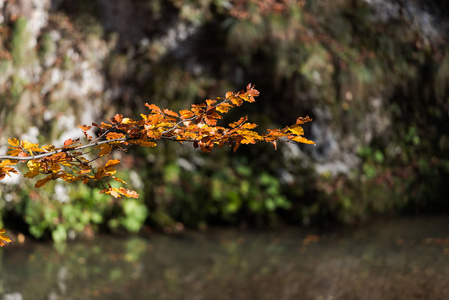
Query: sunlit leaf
x=28, y=145
x=298, y=130
x=85, y=127
x=114, y=135
x=13, y=142
x=4, y=239
x=112, y=163
x=153, y=107
x=170, y=113
x=186, y=114
x=118, y=118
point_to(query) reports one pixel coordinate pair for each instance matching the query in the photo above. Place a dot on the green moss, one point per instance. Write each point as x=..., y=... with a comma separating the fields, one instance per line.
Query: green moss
x=21, y=51
x=46, y=46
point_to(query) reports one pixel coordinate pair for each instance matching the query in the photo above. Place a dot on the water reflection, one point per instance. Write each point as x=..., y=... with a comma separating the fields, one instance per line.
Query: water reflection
x=400, y=259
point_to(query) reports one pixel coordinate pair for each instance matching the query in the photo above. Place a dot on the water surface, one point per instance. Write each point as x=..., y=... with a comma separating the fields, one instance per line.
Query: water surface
x=390, y=259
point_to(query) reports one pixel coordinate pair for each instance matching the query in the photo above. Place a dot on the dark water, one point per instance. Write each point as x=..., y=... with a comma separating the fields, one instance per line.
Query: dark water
x=395, y=259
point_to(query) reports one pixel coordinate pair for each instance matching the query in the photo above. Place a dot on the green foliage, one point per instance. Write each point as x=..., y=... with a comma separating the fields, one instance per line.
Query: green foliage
x=217, y=194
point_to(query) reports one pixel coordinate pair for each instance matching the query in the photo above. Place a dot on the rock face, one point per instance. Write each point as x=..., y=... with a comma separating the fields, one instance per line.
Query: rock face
x=371, y=73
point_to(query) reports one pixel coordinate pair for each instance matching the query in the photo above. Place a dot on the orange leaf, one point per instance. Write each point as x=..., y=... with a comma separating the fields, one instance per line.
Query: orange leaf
x=170, y=113
x=236, y=101
x=68, y=142
x=114, y=135
x=186, y=114
x=147, y=144
x=210, y=102
x=112, y=163
x=153, y=107
x=84, y=127
x=105, y=149
x=118, y=118
x=302, y=120
x=239, y=122
x=224, y=107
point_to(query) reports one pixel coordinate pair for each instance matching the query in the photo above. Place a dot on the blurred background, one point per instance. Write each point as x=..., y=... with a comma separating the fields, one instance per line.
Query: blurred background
x=373, y=75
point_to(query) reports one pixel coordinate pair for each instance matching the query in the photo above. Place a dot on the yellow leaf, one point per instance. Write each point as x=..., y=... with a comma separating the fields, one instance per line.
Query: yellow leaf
x=301, y=139
x=49, y=148
x=28, y=145
x=13, y=142
x=4, y=239
x=7, y=162
x=128, y=121
x=14, y=152
x=112, y=163
x=224, y=107
x=296, y=130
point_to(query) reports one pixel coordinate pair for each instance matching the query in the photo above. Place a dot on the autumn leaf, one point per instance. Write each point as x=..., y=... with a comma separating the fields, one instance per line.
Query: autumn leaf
x=154, y=108
x=28, y=145
x=69, y=142
x=114, y=135
x=128, y=121
x=85, y=127
x=14, y=152
x=301, y=139
x=147, y=144
x=238, y=141
x=4, y=239
x=43, y=182
x=223, y=108
x=118, y=118
x=7, y=162
x=112, y=163
x=118, y=192
x=302, y=120
x=210, y=102
x=170, y=113
x=13, y=142
x=239, y=122
x=186, y=114
x=236, y=101
x=298, y=130
x=105, y=149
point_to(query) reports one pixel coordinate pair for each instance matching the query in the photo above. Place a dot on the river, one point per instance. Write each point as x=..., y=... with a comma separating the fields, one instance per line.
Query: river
x=402, y=258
